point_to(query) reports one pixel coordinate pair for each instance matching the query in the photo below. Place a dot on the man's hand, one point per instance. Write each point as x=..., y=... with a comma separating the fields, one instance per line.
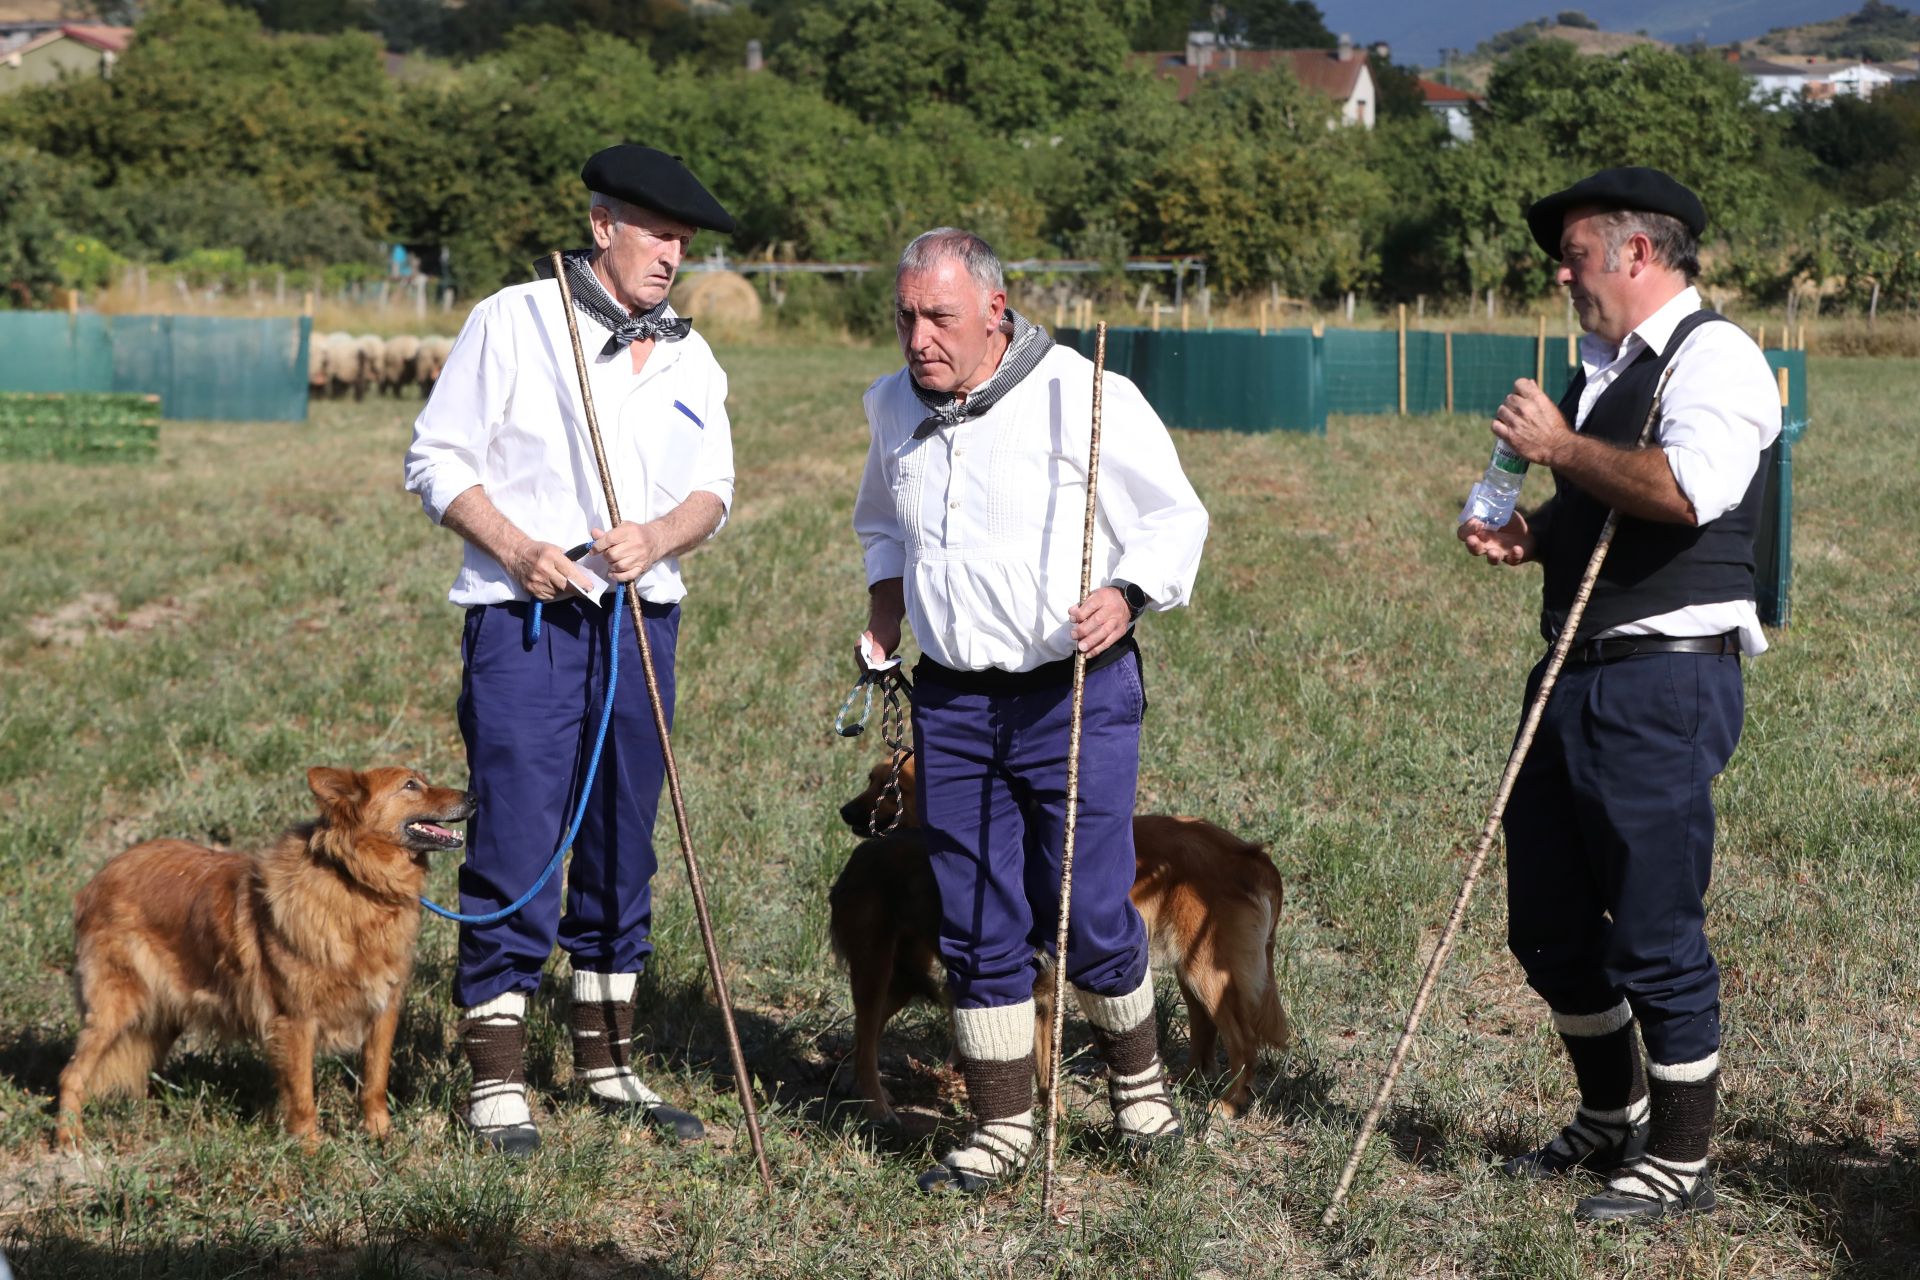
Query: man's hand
x=630, y=549
x=1530, y=424
x=544, y=570
x=1511, y=543
x=1099, y=620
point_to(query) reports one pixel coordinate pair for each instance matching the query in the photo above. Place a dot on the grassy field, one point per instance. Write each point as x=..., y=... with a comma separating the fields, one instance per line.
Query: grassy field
x=185, y=637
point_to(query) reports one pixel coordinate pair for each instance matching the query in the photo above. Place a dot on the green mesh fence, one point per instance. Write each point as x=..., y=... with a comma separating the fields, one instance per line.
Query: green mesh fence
x=1773, y=545
x=1226, y=380
x=204, y=367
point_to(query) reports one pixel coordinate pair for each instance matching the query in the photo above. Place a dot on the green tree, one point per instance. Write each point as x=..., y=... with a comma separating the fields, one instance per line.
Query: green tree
x=1262, y=186
x=30, y=232
x=1277, y=24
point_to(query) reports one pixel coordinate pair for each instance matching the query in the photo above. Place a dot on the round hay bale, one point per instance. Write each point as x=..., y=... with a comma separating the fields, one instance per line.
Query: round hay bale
x=719, y=299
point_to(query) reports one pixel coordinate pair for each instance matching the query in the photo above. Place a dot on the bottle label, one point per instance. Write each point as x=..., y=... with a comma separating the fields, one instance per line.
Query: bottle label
x=1512, y=463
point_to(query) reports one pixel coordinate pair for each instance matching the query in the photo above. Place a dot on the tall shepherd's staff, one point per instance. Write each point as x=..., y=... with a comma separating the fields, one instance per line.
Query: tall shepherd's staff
x=1073, y=784
x=740, y=1077
x=1521, y=745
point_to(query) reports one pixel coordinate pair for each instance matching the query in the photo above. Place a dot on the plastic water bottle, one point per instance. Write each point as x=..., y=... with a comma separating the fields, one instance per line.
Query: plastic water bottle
x=1491, y=502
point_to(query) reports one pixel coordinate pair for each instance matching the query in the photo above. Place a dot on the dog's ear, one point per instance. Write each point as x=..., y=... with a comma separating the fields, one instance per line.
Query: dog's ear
x=337, y=790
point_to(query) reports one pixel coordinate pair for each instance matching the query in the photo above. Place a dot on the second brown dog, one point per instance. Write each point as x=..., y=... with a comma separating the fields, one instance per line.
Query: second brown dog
x=1210, y=900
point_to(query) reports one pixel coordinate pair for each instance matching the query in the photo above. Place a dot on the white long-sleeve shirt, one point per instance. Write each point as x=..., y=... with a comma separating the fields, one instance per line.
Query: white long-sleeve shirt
x=984, y=521
x=506, y=415
x=1720, y=409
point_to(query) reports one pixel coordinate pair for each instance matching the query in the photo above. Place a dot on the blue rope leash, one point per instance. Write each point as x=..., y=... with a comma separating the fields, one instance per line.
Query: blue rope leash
x=586, y=788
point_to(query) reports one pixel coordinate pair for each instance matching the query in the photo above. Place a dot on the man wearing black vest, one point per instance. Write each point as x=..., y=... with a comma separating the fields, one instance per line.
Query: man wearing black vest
x=1610, y=826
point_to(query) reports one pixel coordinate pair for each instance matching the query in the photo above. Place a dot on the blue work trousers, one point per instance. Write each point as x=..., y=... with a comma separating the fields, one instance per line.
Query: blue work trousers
x=528, y=711
x=1610, y=843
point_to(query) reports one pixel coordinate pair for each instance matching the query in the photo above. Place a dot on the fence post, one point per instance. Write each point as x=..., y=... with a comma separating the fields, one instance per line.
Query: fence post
x=1761, y=340
x=1802, y=344
x=1184, y=308
x=1060, y=314
x=1449, y=371
x=1156, y=315
x=1263, y=317
x=1573, y=350
x=308, y=305
x=1403, y=359
x=1350, y=306
x=1540, y=352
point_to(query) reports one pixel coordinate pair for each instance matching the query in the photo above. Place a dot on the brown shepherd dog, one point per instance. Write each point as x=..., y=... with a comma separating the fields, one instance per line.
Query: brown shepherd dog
x=305, y=948
x=1210, y=900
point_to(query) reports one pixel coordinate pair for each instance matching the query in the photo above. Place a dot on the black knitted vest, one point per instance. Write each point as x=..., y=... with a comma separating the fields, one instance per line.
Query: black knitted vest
x=1652, y=567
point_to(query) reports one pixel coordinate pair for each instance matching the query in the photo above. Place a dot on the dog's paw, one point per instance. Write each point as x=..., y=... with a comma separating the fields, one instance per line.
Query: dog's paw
x=378, y=1123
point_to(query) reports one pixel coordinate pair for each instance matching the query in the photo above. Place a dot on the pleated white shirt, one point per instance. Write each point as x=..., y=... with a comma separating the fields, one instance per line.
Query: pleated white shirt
x=984, y=521
x=506, y=414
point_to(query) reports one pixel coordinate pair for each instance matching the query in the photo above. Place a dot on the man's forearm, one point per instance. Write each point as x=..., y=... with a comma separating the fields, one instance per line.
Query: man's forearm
x=887, y=602
x=1635, y=482
x=689, y=524
x=473, y=516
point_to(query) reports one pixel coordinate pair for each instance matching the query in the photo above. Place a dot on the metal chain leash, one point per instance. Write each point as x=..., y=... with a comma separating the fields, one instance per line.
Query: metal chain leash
x=896, y=698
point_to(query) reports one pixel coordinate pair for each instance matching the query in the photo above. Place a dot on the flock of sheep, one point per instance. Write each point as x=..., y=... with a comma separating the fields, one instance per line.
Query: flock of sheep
x=339, y=364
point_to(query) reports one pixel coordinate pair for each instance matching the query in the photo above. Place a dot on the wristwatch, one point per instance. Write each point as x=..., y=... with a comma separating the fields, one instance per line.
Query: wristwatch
x=1136, y=599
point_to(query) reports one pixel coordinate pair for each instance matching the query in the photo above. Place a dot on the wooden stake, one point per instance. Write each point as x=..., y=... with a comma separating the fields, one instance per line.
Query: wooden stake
x=1803, y=335
x=1060, y=314
x=1540, y=351
x=1074, y=716
x=1185, y=309
x=1263, y=317
x=1761, y=340
x=1783, y=372
x=1156, y=317
x=1403, y=359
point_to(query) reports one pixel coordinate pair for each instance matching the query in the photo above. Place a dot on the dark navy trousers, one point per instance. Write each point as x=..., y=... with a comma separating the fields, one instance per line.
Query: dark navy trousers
x=991, y=774
x=528, y=711
x=1610, y=843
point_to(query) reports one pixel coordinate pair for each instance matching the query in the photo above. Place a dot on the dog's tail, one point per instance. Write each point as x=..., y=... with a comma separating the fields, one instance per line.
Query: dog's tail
x=1270, y=1020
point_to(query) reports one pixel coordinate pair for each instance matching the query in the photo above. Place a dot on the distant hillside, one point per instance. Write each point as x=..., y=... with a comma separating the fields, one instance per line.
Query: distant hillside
x=1877, y=30
x=1472, y=71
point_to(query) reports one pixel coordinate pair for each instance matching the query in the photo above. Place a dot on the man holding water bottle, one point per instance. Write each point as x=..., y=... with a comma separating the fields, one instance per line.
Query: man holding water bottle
x=1610, y=826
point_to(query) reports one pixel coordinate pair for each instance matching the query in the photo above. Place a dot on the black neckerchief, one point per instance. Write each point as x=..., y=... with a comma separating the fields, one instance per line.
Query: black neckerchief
x=592, y=297
x=1027, y=346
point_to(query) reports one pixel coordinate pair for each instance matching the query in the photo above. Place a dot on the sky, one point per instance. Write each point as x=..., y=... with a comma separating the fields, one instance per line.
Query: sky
x=1419, y=29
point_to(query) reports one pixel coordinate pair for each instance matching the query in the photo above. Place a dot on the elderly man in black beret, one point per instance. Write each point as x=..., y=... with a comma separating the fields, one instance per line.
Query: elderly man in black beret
x=500, y=455
x=1610, y=827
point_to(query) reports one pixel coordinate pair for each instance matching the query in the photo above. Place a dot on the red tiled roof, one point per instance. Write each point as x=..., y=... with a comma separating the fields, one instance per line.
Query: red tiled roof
x=105, y=39
x=1319, y=69
x=1435, y=92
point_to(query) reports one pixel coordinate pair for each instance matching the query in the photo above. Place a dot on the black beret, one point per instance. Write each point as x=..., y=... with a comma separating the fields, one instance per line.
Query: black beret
x=654, y=180
x=1633, y=187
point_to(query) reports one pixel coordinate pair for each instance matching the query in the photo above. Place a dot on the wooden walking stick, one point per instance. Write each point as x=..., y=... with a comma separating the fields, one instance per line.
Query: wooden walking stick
x=1518, y=756
x=714, y=970
x=1073, y=785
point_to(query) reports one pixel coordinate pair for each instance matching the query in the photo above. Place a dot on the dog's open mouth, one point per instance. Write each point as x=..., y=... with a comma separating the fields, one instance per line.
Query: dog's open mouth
x=433, y=835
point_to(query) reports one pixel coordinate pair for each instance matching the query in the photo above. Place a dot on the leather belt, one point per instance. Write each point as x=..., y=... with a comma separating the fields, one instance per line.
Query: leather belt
x=1613, y=648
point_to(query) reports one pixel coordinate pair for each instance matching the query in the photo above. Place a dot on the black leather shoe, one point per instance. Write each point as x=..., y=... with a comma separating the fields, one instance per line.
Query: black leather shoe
x=944, y=1177
x=1578, y=1147
x=1615, y=1205
x=507, y=1140
x=683, y=1126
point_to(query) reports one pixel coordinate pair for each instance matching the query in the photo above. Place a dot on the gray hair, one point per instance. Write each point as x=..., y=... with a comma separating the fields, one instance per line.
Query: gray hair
x=1674, y=244
x=930, y=247
x=617, y=209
